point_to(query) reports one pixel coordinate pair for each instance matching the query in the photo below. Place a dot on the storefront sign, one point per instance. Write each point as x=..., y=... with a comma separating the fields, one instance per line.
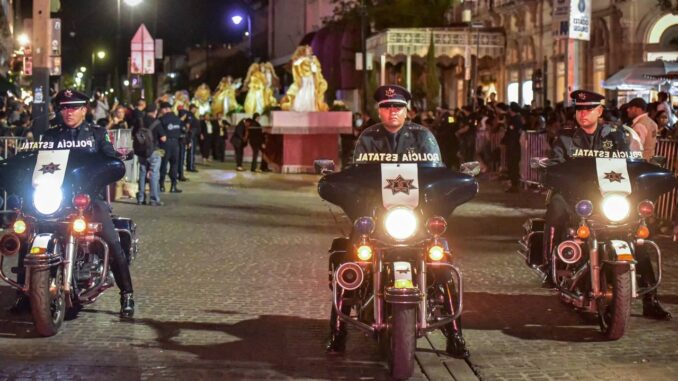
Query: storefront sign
x=572, y=19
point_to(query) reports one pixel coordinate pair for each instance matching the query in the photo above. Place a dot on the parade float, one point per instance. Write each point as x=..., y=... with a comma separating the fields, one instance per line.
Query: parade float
x=304, y=129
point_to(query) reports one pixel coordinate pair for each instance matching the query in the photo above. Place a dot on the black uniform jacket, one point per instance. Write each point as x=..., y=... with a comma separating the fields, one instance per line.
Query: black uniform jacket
x=606, y=142
x=86, y=137
x=415, y=143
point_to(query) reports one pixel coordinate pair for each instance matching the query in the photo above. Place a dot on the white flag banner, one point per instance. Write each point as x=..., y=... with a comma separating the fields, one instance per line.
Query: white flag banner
x=400, y=185
x=613, y=176
x=50, y=168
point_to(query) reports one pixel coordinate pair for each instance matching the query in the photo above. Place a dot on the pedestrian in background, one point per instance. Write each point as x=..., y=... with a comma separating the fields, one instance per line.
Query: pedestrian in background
x=239, y=141
x=147, y=136
x=220, y=137
x=207, y=128
x=171, y=124
x=256, y=140
x=511, y=140
x=643, y=125
x=193, y=138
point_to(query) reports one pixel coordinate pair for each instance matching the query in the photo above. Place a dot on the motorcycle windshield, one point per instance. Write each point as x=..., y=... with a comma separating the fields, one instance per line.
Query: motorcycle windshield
x=578, y=178
x=357, y=190
x=84, y=172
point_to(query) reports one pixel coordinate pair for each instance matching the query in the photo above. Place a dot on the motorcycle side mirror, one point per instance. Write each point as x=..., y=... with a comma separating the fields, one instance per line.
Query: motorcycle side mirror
x=658, y=160
x=471, y=168
x=323, y=166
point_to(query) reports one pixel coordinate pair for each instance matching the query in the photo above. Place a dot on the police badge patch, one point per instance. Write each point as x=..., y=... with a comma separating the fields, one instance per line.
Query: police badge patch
x=49, y=168
x=399, y=184
x=607, y=144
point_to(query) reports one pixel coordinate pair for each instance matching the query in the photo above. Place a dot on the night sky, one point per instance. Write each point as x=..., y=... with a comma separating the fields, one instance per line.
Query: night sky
x=90, y=25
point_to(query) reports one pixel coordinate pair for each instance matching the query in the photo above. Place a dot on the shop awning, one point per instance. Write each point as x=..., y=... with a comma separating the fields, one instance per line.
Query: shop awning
x=641, y=76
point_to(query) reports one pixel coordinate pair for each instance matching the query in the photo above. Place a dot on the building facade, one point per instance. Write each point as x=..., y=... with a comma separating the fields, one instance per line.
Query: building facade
x=623, y=32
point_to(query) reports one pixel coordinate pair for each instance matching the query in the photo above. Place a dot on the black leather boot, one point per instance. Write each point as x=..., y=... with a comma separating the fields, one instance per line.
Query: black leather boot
x=337, y=343
x=174, y=189
x=456, y=346
x=653, y=309
x=126, y=305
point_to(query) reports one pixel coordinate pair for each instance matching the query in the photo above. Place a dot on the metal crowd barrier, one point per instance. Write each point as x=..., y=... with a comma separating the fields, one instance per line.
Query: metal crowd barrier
x=9, y=145
x=667, y=202
x=123, y=143
x=532, y=144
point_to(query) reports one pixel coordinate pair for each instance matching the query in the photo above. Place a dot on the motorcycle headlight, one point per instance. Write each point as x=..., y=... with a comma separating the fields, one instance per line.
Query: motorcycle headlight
x=47, y=199
x=616, y=207
x=400, y=223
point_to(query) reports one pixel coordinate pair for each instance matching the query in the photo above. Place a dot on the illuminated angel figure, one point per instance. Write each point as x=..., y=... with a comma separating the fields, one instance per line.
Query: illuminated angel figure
x=255, y=83
x=201, y=98
x=224, y=100
x=272, y=82
x=307, y=93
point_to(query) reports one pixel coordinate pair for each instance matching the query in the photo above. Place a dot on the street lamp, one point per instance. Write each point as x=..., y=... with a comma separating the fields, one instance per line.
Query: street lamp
x=100, y=54
x=83, y=69
x=23, y=39
x=237, y=19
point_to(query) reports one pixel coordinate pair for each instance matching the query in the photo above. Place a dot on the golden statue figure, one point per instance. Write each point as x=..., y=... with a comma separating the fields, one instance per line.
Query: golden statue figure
x=201, y=98
x=307, y=93
x=255, y=82
x=224, y=100
x=272, y=82
x=181, y=101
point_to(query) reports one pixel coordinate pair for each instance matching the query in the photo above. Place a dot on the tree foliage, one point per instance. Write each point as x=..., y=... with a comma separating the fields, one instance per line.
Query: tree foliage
x=393, y=13
x=432, y=81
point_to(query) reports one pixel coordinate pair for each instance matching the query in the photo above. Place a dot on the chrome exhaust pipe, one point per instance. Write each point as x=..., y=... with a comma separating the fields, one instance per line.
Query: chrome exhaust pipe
x=9, y=244
x=349, y=276
x=569, y=252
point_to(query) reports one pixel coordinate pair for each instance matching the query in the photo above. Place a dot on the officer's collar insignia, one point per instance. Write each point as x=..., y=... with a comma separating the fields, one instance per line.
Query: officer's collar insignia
x=49, y=168
x=399, y=184
x=607, y=144
x=614, y=177
x=68, y=93
x=390, y=92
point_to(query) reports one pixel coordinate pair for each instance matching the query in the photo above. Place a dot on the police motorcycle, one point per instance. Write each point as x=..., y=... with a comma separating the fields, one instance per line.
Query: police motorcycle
x=393, y=277
x=65, y=262
x=594, y=267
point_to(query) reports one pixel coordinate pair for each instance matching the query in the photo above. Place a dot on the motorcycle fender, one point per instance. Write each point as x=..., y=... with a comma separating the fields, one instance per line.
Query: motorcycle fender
x=622, y=250
x=402, y=275
x=41, y=244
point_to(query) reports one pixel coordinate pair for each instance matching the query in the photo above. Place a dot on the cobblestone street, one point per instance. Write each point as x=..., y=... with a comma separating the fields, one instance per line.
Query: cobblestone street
x=231, y=284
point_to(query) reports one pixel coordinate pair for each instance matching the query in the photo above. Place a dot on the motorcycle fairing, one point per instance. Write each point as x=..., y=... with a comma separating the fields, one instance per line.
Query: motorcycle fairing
x=50, y=168
x=400, y=185
x=613, y=176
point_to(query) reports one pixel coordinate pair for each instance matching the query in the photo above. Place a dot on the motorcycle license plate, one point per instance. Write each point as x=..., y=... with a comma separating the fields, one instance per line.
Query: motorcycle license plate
x=402, y=275
x=622, y=249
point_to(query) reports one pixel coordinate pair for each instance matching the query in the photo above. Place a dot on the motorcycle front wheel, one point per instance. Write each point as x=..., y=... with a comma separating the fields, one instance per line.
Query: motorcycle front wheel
x=614, y=308
x=402, y=341
x=48, y=299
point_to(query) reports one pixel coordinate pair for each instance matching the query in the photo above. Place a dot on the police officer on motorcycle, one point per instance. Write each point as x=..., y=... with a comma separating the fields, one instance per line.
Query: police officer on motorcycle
x=74, y=131
x=590, y=135
x=394, y=135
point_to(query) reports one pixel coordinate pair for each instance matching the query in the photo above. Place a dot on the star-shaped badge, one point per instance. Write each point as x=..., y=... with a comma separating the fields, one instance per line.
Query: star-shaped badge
x=49, y=168
x=614, y=177
x=399, y=184
x=623, y=246
x=607, y=144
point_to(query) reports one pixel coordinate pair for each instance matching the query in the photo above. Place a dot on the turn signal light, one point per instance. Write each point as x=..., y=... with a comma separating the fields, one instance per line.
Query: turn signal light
x=583, y=232
x=364, y=253
x=81, y=201
x=19, y=226
x=642, y=232
x=38, y=250
x=79, y=225
x=436, y=253
x=436, y=225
